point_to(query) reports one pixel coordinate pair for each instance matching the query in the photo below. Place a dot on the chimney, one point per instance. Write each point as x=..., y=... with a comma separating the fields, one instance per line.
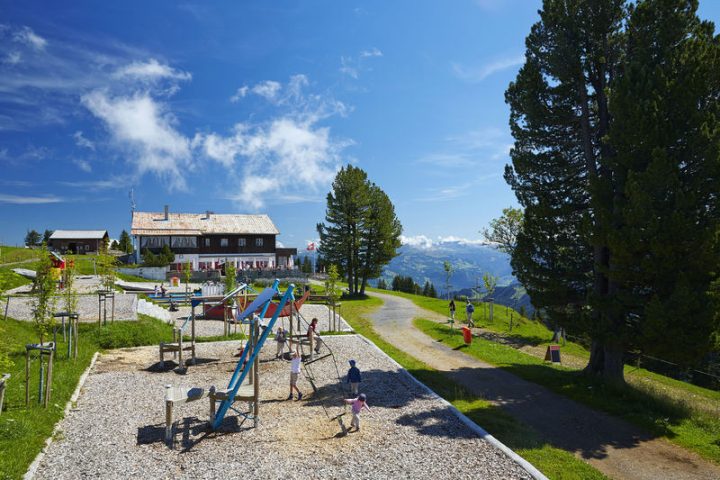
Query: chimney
x=207, y=214
x=167, y=209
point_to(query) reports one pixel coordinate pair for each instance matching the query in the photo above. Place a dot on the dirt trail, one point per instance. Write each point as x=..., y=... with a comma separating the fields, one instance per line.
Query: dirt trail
x=613, y=446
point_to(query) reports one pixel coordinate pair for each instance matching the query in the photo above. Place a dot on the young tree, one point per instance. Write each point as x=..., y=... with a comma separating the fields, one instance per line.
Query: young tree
x=331, y=288
x=230, y=281
x=32, y=238
x=504, y=230
x=69, y=294
x=44, y=289
x=187, y=275
x=361, y=233
x=448, y=275
x=106, y=268
x=125, y=242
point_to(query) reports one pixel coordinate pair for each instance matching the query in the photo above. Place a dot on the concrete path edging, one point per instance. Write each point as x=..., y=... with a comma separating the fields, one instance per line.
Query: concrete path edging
x=68, y=406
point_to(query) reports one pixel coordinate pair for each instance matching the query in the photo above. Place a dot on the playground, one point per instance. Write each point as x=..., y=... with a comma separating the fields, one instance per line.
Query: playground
x=118, y=426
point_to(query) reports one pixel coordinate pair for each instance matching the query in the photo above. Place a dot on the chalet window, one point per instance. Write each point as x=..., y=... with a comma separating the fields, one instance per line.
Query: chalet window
x=241, y=242
x=223, y=242
x=207, y=242
x=258, y=242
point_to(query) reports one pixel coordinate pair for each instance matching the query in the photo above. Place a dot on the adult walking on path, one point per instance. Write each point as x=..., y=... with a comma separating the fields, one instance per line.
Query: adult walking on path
x=616, y=448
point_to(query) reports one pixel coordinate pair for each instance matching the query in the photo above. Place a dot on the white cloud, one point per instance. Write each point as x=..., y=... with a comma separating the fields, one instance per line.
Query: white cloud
x=427, y=243
x=268, y=89
x=240, y=94
x=81, y=141
x=143, y=127
x=419, y=241
x=288, y=157
x=83, y=165
x=481, y=73
x=373, y=52
x=13, y=58
x=353, y=66
x=151, y=71
x=26, y=36
x=29, y=200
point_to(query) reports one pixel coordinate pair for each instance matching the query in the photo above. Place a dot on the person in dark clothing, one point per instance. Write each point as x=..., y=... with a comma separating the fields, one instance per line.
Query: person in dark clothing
x=353, y=378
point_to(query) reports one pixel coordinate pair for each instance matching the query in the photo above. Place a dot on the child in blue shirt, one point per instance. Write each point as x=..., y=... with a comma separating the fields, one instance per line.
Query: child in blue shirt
x=353, y=378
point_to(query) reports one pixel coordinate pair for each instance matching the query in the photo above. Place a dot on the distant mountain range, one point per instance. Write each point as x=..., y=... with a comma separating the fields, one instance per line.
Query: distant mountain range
x=424, y=261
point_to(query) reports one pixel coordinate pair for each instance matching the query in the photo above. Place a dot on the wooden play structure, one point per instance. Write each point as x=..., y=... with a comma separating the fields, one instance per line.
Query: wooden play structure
x=178, y=346
x=246, y=367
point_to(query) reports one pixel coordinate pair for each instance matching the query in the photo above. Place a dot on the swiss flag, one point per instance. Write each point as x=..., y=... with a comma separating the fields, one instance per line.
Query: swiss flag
x=311, y=246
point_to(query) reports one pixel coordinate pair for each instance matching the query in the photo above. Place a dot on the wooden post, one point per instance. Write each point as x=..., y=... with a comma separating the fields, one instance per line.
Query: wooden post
x=192, y=332
x=48, y=382
x=3, y=381
x=168, y=416
x=180, y=348
x=113, y=307
x=77, y=338
x=27, y=377
x=7, y=305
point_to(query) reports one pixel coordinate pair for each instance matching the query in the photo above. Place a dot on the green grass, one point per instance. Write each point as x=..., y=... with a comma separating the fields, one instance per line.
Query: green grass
x=10, y=279
x=23, y=431
x=528, y=332
x=553, y=462
x=660, y=415
x=16, y=254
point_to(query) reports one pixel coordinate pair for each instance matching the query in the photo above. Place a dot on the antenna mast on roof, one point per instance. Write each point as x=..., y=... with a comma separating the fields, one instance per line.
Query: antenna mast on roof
x=132, y=203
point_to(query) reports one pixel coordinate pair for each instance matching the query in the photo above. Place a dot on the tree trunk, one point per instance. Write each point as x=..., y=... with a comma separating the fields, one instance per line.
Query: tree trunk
x=613, y=368
x=597, y=360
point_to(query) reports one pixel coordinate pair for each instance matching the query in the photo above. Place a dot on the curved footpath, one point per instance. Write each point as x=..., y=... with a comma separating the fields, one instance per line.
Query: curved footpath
x=616, y=448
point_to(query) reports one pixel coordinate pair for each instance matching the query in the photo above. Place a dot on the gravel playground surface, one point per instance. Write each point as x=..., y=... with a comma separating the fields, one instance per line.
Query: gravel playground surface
x=212, y=328
x=20, y=308
x=117, y=427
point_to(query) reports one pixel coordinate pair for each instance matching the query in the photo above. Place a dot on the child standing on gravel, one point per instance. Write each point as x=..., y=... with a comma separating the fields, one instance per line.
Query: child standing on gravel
x=294, y=374
x=353, y=378
x=357, y=406
x=280, y=338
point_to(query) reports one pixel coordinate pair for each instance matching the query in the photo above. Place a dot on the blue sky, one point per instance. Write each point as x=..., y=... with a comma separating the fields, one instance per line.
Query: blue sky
x=253, y=106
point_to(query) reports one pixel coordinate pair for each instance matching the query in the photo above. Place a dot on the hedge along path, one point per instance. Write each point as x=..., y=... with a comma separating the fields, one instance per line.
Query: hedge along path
x=614, y=447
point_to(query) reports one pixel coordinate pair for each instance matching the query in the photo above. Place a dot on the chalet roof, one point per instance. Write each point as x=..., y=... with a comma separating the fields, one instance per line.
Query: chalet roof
x=78, y=235
x=154, y=223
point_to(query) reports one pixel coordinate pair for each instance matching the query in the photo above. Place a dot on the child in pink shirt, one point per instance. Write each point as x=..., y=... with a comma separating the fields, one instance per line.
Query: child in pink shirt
x=358, y=404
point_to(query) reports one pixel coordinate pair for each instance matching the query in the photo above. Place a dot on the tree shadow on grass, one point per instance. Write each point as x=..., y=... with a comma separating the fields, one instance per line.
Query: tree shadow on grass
x=565, y=423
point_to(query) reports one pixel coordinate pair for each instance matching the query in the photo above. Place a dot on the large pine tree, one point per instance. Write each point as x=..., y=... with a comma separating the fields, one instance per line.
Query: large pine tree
x=361, y=233
x=615, y=165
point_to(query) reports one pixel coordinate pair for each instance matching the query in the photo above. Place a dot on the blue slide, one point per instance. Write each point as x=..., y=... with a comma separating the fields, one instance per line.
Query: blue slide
x=263, y=300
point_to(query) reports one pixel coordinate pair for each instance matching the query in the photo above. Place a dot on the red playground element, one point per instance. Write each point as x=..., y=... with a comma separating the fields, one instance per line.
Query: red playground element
x=215, y=312
x=57, y=261
x=467, y=335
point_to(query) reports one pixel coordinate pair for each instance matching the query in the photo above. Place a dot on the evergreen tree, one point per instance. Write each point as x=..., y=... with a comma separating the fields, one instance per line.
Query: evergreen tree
x=666, y=135
x=125, y=243
x=166, y=256
x=396, y=283
x=362, y=232
x=432, y=293
x=382, y=285
x=46, y=236
x=616, y=200
x=32, y=238
x=426, y=288
x=114, y=245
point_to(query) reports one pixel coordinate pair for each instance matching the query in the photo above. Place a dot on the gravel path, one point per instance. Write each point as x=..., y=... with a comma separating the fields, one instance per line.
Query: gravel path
x=116, y=430
x=20, y=308
x=212, y=328
x=613, y=446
